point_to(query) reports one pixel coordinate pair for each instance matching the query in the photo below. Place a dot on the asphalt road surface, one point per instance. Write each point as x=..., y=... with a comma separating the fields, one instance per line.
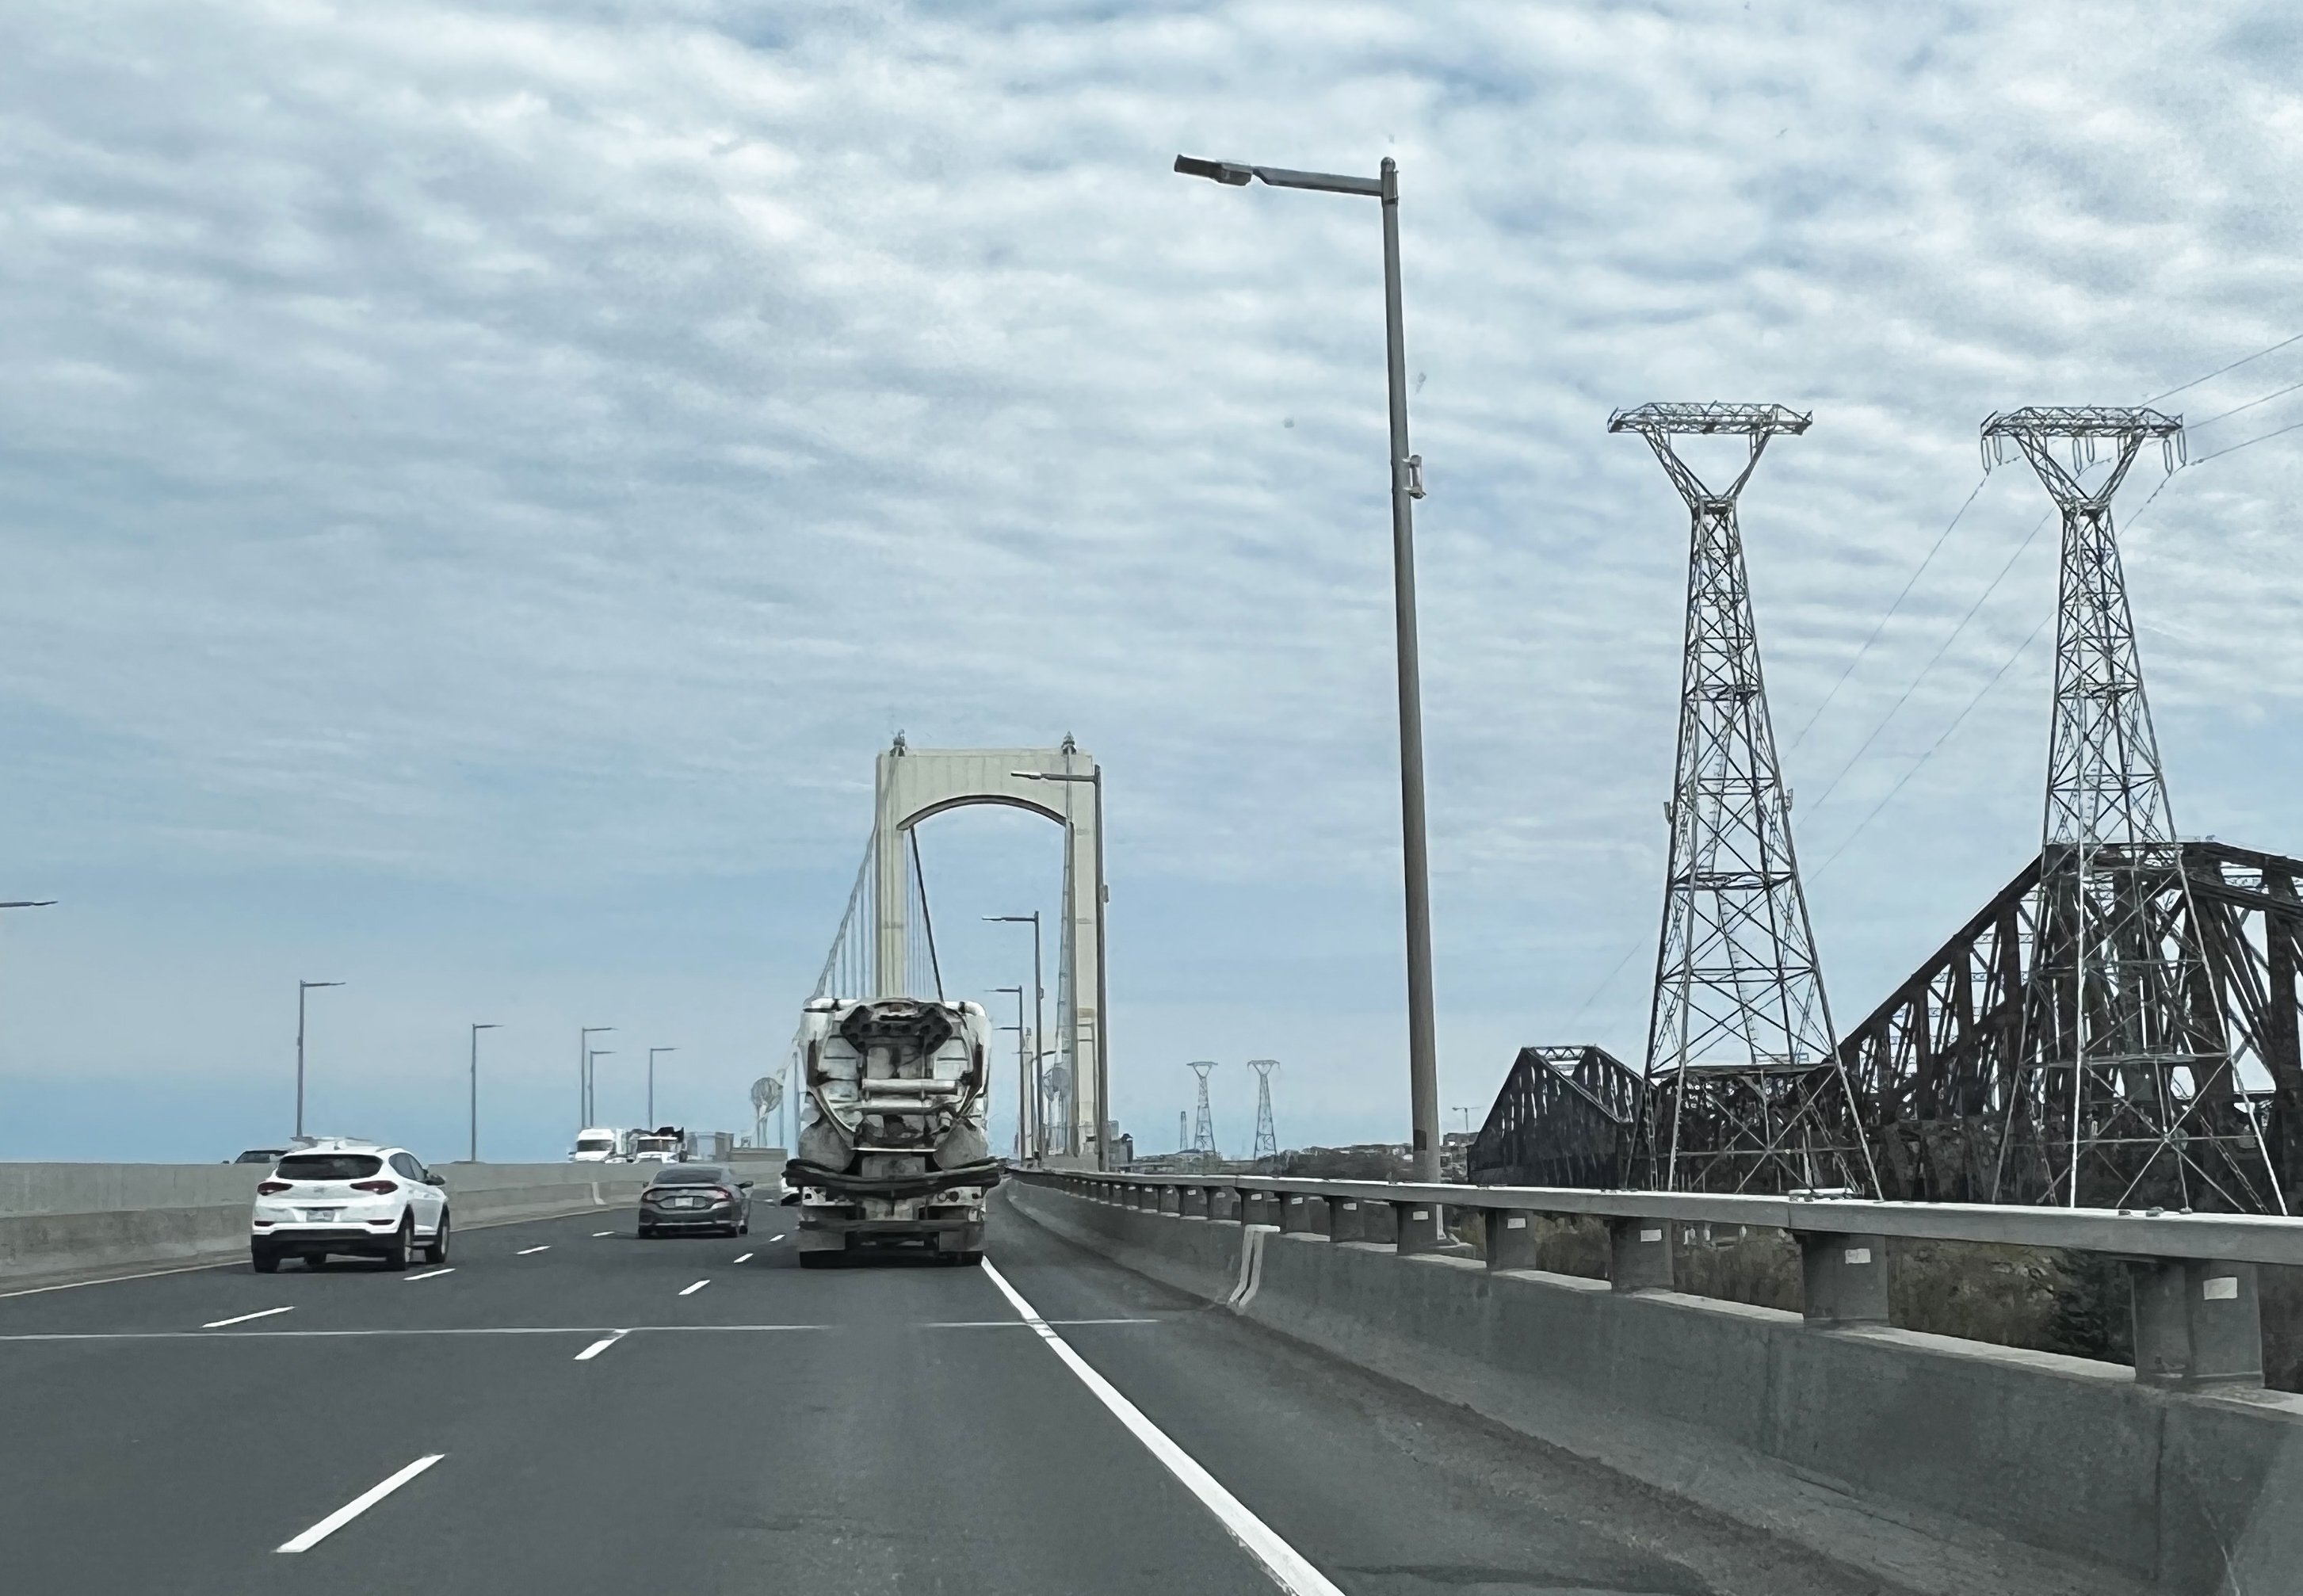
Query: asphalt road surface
x=597, y=1421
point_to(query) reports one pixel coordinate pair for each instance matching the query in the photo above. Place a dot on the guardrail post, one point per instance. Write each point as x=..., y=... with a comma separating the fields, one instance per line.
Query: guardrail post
x=1640, y=1255
x=1305, y=1215
x=1379, y=1222
x=1192, y=1201
x=1223, y=1204
x=1843, y=1279
x=1418, y=1228
x=1343, y=1219
x=1259, y=1209
x=1171, y=1199
x=1511, y=1239
x=2196, y=1322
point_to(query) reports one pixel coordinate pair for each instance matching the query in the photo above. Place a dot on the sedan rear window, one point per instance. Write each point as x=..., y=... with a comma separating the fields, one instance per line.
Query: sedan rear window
x=692, y=1175
x=328, y=1166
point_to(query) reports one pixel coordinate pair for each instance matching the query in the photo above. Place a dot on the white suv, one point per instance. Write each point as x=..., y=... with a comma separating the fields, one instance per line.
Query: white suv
x=342, y=1195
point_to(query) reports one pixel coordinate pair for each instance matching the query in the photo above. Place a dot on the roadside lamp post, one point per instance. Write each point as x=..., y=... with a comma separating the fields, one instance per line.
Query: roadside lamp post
x=650, y=1109
x=303, y=987
x=1095, y=779
x=1407, y=487
x=472, y=1153
x=1039, y=1007
x=1023, y=1138
x=592, y=1076
x=584, y=1074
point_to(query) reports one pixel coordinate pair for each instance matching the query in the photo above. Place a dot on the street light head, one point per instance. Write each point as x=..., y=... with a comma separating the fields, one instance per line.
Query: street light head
x=1222, y=172
x=492, y=1025
x=30, y=903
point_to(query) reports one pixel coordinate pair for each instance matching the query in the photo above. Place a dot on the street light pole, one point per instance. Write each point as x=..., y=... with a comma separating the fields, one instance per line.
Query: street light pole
x=1095, y=779
x=301, y=988
x=1406, y=488
x=1038, y=1019
x=1023, y=1082
x=591, y=1076
x=584, y=1035
x=472, y=1153
x=652, y=1053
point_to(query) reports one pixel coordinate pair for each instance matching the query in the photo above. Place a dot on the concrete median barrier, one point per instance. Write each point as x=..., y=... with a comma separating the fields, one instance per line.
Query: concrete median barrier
x=1938, y=1464
x=64, y=1221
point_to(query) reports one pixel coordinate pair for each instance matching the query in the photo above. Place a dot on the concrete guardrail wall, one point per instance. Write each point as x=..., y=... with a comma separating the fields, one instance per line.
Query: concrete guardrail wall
x=65, y=1220
x=1940, y=1464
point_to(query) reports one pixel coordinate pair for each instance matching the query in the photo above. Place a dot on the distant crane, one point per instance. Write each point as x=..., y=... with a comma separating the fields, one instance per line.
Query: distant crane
x=1267, y=1137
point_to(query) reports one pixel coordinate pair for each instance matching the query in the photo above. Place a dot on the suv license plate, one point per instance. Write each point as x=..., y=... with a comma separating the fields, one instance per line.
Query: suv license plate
x=311, y=1214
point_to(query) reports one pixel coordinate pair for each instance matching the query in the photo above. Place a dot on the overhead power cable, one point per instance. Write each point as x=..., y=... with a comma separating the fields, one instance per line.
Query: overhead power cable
x=2219, y=370
x=1890, y=615
x=2235, y=448
x=2027, y=540
x=2250, y=404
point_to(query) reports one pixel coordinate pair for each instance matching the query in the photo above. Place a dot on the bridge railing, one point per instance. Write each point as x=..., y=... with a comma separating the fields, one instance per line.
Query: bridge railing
x=2197, y=1318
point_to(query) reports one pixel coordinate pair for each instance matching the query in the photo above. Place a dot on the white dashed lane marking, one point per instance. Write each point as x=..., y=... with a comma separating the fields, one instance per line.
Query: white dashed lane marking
x=524, y=1252
x=746, y=1258
x=597, y=1348
x=244, y=1318
x=430, y=1274
x=597, y=1234
x=356, y=1506
x=692, y=1290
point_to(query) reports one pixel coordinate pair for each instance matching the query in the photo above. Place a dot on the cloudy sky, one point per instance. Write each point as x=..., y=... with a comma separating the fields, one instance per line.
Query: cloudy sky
x=479, y=482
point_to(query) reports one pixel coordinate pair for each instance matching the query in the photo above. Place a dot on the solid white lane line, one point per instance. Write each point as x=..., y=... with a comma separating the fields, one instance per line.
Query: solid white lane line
x=692, y=1290
x=1289, y=1569
x=597, y=1234
x=746, y=1258
x=149, y=1274
x=430, y=1274
x=315, y=1335
x=356, y=1506
x=524, y=1252
x=597, y=1348
x=244, y=1318
x=1020, y=1324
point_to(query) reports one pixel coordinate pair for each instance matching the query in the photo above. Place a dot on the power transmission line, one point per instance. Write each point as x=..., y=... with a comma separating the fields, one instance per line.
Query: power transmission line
x=1801, y=734
x=2219, y=370
x=2250, y=404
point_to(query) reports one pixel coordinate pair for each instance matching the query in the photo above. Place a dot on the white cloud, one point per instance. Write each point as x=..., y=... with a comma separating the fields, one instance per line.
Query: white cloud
x=494, y=443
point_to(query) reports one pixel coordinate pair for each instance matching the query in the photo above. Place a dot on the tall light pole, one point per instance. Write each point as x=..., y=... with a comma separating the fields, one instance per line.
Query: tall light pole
x=1039, y=1007
x=1407, y=487
x=1094, y=778
x=301, y=988
x=591, y=1076
x=652, y=1053
x=1023, y=1138
x=472, y=1153
x=584, y=1074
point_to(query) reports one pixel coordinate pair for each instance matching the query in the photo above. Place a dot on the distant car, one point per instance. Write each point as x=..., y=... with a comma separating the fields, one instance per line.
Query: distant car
x=356, y=1199
x=260, y=1155
x=696, y=1197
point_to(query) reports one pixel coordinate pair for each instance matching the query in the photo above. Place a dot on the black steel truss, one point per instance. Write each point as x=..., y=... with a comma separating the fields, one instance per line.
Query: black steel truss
x=1938, y=1066
x=1566, y=1116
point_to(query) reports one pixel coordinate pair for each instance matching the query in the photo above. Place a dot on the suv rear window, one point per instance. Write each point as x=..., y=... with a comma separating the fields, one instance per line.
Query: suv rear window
x=329, y=1166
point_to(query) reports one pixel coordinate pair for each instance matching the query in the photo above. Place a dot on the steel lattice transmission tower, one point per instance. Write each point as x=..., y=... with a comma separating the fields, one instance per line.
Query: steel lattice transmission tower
x=1203, y=1120
x=1742, y=1065
x=1267, y=1137
x=2123, y=1091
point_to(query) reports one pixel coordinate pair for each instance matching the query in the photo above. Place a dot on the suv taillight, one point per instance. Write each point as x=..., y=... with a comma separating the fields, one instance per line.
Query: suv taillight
x=265, y=1188
x=385, y=1186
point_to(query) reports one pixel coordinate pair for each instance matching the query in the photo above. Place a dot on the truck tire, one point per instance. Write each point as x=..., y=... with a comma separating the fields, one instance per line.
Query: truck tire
x=396, y=1249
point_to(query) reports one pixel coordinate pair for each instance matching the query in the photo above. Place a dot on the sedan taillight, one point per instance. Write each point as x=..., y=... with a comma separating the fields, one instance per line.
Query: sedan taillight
x=723, y=1194
x=385, y=1187
x=265, y=1188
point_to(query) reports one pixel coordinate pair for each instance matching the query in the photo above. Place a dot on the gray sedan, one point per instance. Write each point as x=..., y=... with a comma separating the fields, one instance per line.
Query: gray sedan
x=696, y=1197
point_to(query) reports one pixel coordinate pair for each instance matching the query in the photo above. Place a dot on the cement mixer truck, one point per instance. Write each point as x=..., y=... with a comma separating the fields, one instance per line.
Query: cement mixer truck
x=894, y=1150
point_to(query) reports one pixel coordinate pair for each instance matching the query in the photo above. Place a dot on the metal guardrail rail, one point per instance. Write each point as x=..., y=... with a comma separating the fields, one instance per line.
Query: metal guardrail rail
x=2196, y=1309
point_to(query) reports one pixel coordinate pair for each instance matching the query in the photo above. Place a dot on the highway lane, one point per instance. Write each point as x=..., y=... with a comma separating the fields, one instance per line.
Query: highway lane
x=885, y=1429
